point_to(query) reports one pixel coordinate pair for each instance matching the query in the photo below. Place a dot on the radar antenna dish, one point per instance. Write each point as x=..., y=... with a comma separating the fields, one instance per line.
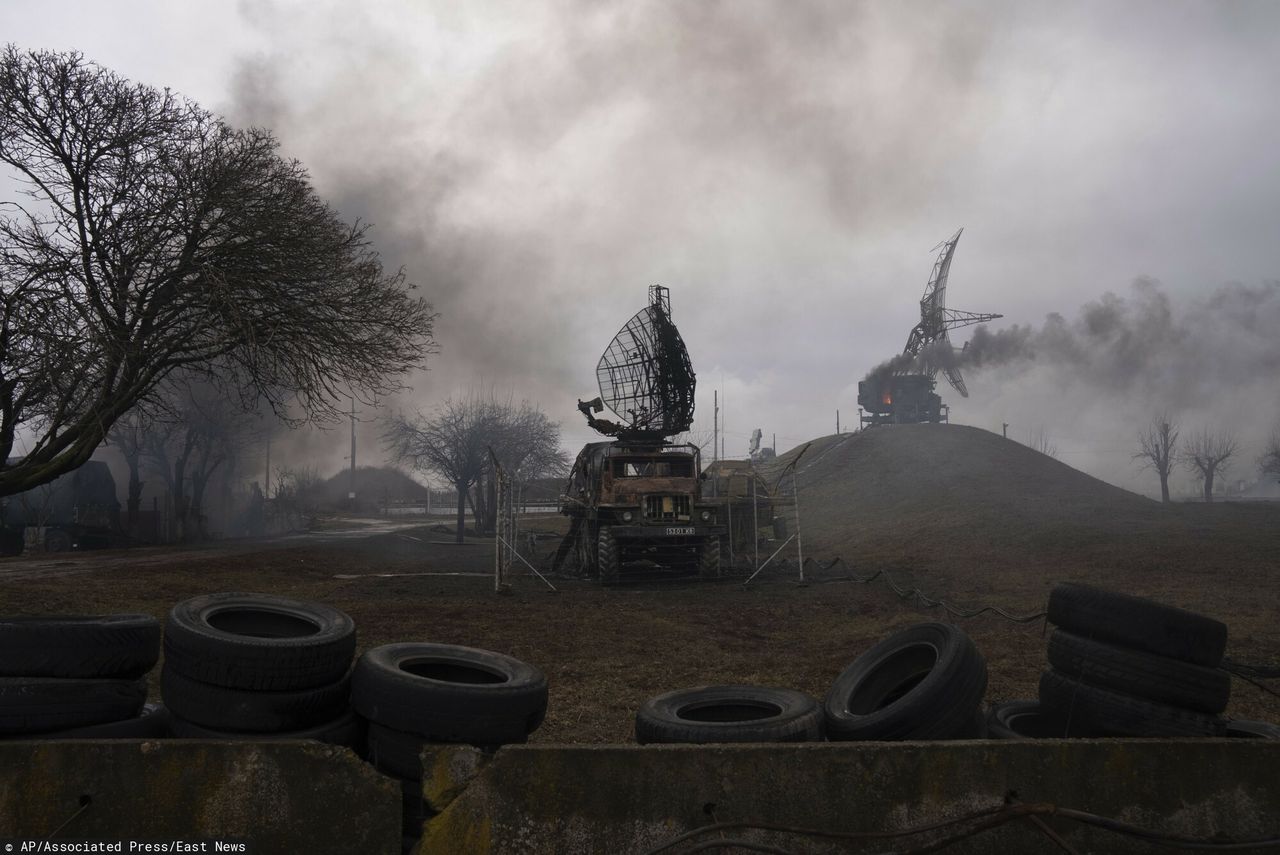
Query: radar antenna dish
x=936, y=320
x=645, y=377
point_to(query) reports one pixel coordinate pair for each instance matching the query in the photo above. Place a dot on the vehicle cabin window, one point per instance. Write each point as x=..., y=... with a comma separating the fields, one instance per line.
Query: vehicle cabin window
x=652, y=468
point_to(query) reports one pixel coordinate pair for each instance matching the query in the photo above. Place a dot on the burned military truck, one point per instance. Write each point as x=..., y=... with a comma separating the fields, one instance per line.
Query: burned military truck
x=637, y=499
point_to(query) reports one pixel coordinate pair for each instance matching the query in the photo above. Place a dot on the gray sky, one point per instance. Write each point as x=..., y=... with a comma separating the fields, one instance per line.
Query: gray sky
x=785, y=169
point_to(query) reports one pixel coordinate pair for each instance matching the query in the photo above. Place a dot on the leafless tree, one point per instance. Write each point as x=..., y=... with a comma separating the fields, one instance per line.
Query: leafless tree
x=1206, y=453
x=1040, y=441
x=1158, y=449
x=1269, y=462
x=194, y=435
x=454, y=442
x=129, y=436
x=149, y=237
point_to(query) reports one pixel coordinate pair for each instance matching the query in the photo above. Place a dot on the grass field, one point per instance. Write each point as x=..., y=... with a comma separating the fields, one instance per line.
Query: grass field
x=962, y=514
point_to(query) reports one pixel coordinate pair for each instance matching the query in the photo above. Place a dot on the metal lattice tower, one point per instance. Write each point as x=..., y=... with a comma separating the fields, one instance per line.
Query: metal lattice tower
x=936, y=320
x=645, y=375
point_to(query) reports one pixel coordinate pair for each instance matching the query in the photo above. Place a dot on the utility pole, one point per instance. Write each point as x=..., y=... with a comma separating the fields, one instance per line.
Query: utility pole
x=715, y=427
x=837, y=422
x=267, y=479
x=1004, y=429
x=351, y=494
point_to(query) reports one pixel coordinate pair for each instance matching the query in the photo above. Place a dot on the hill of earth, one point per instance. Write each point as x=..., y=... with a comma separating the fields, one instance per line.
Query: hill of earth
x=964, y=507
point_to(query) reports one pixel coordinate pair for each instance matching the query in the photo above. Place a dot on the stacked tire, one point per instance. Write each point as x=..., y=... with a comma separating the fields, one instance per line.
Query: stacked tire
x=246, y=666
x=1127, y=666
x=925, y=682
x=78, y=677
x=415, y=693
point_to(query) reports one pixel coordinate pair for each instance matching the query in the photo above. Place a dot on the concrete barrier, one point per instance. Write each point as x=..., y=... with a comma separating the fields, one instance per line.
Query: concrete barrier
x=564, y=800
x=275, y=797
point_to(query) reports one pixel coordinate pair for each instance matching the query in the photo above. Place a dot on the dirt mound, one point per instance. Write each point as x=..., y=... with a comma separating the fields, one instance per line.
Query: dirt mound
x=950, y=496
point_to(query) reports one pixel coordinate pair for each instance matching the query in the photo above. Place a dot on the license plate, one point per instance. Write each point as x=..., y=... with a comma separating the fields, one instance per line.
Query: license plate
x=679, y=531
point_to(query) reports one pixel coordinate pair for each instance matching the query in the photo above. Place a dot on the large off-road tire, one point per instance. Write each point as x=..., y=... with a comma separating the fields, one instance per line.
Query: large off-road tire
x=449, y=693
x=729, y=714
x=252, y=710
x=1138, y=673
x=258, y=641
x=1137, y=622
x=109, y=646
x=709, y=558
x=347, y=730
x=922, y=683
x=35, y=704
x=1111, y=713
x=607, y=559
x=1028, y=720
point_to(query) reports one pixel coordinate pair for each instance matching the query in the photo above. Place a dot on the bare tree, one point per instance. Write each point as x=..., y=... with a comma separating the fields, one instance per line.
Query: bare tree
x=154, y=237
x=454, y=444
x=1040, y=441
x=1206, y=453
x=1269, y=462
x=1158, y=449
x=129, y=436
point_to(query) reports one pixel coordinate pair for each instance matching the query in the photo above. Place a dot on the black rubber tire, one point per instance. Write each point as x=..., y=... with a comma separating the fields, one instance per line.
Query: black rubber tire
x=248, y=710
x=924, y=682
x=450, y=693
x=1110, y=713
x=258, y=641
x=117, y=647
x=709, y=558
x=1239, y=728
x=1141, y=674
x=32, y=705
x=729, y=714
x=1028, y=720
x=1137, y=622
x=607, y=559
x=152, y=722
x=347, y=730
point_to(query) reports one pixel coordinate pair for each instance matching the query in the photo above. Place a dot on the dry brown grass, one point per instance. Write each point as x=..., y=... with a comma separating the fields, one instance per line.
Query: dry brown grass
x=962, y=514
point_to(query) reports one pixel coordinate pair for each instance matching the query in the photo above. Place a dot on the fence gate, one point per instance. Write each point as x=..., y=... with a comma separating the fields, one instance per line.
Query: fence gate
x=507, y=560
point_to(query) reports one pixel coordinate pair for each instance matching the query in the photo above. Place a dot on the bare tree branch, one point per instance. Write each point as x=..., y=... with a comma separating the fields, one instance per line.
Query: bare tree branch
x=1158, y=449
x=1207, y=453
x=155, y=238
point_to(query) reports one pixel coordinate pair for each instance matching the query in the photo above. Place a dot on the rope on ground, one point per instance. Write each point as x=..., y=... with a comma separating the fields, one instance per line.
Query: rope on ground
x=921, y=597
x=969, y=825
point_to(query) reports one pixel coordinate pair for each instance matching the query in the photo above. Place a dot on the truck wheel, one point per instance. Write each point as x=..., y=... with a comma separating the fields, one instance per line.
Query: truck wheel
x=57, y=540
x=607, y=556
x=709, y=559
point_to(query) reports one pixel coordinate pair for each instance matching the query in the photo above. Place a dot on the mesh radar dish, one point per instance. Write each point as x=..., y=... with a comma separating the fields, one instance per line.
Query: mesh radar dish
x=936, y=320
x=645, y=376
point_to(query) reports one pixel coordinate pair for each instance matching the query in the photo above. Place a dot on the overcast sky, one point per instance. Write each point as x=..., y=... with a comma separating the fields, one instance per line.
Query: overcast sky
x=785, y=168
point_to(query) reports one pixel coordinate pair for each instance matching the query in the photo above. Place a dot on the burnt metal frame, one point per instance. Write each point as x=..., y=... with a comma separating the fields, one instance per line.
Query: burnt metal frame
x=645, y=375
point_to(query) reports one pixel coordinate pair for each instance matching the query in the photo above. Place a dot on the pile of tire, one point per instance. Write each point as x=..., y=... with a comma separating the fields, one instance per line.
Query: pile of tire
x=1121, y=665
x=415, y=693
x=924, y=682
x=256, y=666
x=79, y=677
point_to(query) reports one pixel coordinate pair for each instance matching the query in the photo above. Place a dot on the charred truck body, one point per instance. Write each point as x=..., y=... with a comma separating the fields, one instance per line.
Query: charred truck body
x=901, y=391
x=638, y=498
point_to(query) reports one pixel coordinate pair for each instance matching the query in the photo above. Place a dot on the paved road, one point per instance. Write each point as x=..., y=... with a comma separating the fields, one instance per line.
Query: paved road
x=47, y=565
